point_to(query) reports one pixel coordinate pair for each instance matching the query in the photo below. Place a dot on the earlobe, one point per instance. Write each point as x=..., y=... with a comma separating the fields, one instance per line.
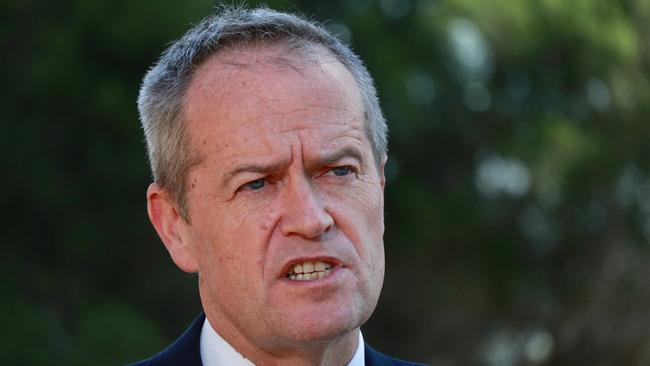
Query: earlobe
x=171, y=227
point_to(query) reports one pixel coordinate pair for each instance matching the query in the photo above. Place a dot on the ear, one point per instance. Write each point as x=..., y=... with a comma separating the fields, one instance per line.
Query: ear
x=382, y=175
x=171, y=227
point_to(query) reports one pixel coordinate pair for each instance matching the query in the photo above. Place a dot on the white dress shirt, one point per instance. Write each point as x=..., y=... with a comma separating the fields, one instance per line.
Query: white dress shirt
x=215, y=351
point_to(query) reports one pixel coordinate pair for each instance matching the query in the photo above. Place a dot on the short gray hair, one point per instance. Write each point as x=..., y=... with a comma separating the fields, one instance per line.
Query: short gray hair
x=163, y=89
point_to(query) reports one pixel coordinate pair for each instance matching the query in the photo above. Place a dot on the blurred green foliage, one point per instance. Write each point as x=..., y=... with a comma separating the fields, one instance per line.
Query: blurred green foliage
x=518, y=197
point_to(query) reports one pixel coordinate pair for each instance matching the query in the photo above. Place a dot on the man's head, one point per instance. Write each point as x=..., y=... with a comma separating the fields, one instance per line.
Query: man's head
x=163, y=91
x=268, y=146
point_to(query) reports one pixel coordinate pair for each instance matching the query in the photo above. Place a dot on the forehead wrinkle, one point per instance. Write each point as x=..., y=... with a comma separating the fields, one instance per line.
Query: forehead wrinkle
x=341, y=107
x=287, y=63
x=345, y=130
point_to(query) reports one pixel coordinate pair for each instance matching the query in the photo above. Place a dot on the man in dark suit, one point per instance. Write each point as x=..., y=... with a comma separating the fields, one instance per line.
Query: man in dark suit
x=267, y=146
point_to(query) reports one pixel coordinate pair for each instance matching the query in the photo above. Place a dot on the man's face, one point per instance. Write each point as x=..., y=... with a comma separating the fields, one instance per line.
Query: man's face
x=287, y=184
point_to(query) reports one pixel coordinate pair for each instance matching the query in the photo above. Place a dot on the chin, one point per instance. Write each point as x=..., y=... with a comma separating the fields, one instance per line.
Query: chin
x=321, y=332
x=326, y=323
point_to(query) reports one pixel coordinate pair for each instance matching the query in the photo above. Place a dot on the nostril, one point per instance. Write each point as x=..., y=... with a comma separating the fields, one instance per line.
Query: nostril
x=310, y=224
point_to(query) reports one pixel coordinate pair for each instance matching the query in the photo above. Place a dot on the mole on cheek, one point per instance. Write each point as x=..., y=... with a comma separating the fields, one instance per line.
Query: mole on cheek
x=267, y=222
x=224, y=260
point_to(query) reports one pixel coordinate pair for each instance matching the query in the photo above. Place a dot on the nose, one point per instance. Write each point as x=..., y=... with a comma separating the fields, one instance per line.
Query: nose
x=304, y=212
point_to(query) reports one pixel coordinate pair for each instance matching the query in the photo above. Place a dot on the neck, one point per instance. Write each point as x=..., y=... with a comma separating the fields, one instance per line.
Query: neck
x=336, y=351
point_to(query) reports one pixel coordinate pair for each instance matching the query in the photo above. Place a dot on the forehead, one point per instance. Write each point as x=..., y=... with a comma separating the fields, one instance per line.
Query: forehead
x=246, y=92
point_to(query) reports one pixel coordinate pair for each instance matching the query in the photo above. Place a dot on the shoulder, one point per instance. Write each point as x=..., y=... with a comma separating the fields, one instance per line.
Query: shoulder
x=185, y=351
x=376, y=358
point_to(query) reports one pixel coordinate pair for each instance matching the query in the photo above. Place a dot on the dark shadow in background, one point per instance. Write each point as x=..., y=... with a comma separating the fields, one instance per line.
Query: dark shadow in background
x=518, y=197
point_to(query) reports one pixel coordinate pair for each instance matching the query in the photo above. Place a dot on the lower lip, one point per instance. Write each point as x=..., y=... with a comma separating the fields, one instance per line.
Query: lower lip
x=334, y=275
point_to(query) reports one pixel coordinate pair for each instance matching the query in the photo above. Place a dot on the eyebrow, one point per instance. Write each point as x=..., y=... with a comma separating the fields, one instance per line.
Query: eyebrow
x=321, y=160
x=337, y=155
x=261, y=168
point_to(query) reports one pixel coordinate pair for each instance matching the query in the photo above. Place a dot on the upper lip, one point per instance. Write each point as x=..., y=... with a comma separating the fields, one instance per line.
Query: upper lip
x=328, y=259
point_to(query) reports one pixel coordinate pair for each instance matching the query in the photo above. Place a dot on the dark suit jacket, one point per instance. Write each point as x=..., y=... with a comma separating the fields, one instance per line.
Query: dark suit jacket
x=185, y=351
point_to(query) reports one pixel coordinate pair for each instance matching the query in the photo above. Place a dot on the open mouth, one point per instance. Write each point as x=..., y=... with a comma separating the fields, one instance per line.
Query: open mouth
x=310, y=270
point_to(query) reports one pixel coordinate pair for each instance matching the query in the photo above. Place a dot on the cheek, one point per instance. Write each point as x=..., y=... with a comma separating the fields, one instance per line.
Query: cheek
x=364, y=205
x=244, y=243
x=229, y=265
x=226, y=246
x=359, y=214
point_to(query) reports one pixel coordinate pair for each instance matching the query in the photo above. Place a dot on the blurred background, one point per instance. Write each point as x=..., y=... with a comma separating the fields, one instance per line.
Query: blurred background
x=518, y=197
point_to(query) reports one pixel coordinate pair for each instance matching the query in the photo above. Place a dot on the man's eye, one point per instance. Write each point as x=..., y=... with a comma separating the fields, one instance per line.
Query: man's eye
x=253, y=185
x=341, y=171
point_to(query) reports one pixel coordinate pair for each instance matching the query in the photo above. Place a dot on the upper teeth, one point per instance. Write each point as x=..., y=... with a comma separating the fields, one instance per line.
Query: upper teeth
x=309, y=271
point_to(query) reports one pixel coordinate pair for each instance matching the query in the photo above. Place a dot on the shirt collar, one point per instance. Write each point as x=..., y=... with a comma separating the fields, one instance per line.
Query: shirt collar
x=216, y=351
